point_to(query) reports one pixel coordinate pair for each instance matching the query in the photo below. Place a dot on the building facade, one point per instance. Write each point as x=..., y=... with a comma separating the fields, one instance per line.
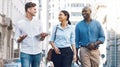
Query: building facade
x=113, y=46
x=6, y=38
x=74, y=7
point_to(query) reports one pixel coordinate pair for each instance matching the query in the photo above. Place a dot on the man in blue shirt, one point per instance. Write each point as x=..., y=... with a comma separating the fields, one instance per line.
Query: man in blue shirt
x=89, y=35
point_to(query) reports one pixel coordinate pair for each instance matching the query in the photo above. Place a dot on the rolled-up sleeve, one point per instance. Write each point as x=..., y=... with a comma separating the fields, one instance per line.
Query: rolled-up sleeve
x=101, y=34
x=53, y=34
x=77, y=35
x=40, y=31
x=72, y=38
x=17, y=32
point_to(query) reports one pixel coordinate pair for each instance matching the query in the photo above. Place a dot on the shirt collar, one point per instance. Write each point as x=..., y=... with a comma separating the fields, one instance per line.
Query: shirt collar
x=59, y=26
x=85, y=20
x=28, y=19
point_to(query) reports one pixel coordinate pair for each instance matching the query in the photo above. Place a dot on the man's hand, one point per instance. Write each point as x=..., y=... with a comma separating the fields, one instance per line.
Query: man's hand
x=91, y=46
x=43, y=35
x=21, y=38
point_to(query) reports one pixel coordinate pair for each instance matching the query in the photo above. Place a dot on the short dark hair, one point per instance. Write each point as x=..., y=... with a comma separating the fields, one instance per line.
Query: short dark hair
x=29, y=5
x=87, y=7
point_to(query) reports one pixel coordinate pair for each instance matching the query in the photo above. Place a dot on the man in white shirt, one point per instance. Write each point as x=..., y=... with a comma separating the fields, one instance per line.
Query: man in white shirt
x=29, y=33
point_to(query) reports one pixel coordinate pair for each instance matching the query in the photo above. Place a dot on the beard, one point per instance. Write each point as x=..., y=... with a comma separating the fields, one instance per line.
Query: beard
x=86, y=16
x=31, y=13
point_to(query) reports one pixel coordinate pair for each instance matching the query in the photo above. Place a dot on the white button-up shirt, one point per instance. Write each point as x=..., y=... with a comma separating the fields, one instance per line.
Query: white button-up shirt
x=31, y=44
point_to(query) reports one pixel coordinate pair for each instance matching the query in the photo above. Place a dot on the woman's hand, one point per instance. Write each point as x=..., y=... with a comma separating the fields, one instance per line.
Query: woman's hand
x=74, y=58
x=57, y=51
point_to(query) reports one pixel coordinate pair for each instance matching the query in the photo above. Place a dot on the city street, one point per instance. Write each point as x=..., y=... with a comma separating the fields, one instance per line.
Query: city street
x=105, y=11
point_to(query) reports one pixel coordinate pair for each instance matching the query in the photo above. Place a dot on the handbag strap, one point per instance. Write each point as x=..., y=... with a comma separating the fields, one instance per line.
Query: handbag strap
x=55, y=33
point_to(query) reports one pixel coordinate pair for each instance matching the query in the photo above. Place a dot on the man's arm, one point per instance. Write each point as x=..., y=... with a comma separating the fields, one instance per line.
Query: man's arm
x=17, y=33
x=43, y=35
x=101, y=38
x=77, y=35
x=21, y=38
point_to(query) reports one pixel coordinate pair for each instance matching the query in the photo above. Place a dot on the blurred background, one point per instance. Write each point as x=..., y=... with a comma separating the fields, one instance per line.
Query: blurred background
x=105, y=11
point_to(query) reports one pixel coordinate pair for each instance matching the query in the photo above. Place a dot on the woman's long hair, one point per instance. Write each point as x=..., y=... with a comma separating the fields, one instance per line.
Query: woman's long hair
x=66, y=13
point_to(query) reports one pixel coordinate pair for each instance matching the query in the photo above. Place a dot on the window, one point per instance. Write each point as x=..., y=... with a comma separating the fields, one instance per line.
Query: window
x=76, y=14
x=77, y=5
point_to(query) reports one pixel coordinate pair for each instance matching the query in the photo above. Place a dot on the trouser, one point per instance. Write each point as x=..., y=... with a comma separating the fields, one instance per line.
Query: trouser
x=28, y=60
x=64, y=59
x=89, y=58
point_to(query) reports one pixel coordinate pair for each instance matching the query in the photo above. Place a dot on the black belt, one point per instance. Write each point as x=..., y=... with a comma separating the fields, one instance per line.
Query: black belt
x=84, y=46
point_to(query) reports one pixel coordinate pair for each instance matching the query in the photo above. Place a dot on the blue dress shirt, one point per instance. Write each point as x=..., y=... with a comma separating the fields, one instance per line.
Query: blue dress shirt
x=86, y=33
x=64, y=37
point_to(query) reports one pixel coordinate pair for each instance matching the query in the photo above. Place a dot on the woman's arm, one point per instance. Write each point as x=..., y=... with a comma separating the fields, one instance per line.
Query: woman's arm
x=57, y=51
x=74, y=53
